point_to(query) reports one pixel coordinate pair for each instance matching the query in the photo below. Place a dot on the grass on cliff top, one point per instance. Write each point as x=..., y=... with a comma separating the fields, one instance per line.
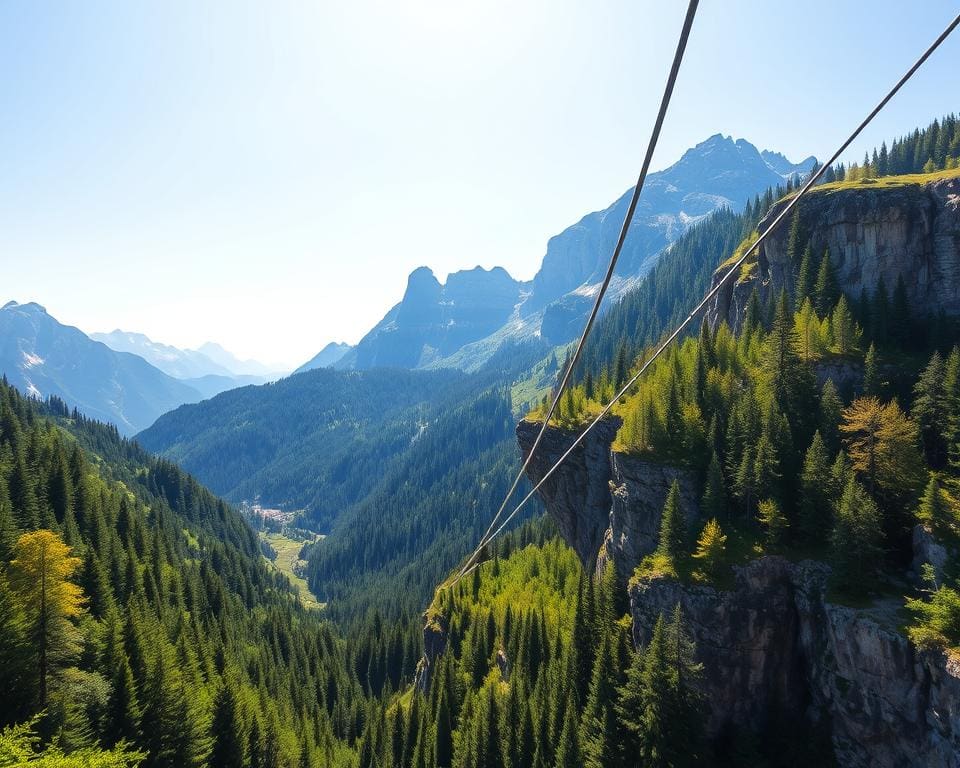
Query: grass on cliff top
x=883, y=182
x=888, y=182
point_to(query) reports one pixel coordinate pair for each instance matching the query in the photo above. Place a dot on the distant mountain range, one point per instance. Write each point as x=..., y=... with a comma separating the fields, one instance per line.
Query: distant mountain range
x=42, y=357
x=120, y=377
x=210, y=360
x=326, y=357
x=463, y=322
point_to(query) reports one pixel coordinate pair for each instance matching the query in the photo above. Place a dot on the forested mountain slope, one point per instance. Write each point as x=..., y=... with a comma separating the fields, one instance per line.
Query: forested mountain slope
x=159, y=622
x=398, y=467
x=310, y=441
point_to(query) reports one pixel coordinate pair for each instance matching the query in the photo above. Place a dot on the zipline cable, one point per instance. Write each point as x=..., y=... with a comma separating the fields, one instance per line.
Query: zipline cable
x=713, y=291
x=624, y=229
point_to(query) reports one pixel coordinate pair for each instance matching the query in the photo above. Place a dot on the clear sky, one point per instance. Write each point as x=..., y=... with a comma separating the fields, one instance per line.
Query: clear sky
x=266, y=175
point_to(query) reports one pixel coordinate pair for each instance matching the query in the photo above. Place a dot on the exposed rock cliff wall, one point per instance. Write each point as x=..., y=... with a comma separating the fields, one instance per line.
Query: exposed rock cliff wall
x=773, y=646
x=607, y=505
x=872, y=230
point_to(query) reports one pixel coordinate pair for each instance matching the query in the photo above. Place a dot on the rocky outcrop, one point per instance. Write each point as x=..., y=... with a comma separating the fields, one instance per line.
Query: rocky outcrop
x=927, y=551
x=774, y=647
x=577, y=495
x=606, y=504
x=873, y=230
x=434, y=644
x=639, y=490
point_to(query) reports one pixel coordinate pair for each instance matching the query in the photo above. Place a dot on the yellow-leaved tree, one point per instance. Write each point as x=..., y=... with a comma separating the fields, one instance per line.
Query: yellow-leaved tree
x=882, y=442
x=40, y=575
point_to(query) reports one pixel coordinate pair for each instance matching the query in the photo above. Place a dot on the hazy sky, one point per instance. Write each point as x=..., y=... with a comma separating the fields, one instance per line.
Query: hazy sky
x=267, y=174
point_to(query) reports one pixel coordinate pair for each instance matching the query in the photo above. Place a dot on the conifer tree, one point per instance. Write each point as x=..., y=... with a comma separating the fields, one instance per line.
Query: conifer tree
x=791, y=380
x=930, y=410
x=934, y=511
x=825, y=289
x=871, y=373
x=40, y=575
x=846, y=334
x=856, y=537
x=714, y=501
x=598, y=727
x=805, y=276
x=672, y=526
x=814, y=490
x=568, y=749
x=15, y=680
x=226, y=730
x=773, y=521
x=795, y=239
x=882, y=445
x=710, y=548
x=828, y=415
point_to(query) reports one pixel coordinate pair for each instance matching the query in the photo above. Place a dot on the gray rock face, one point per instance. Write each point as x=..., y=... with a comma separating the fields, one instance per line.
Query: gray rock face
x=773, y=646
x=718, y=172
x=434, y=320
x=607, y=505
x=911, y=230
x=434, y=644
x=577, y=495
x=639, y=490
x=927, y=550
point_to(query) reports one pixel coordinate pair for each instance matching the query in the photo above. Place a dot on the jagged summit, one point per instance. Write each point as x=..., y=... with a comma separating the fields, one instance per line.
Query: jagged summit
x=464, y=321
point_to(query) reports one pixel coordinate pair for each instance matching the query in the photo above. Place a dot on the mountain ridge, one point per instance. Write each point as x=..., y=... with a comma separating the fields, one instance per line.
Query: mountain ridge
x=426, y=329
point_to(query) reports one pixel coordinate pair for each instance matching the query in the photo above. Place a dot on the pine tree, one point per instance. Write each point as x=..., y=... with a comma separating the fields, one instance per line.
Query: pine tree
x=794, y=239
x=568, y=749
x=856, y=537
x=825, y=289
x=846, y=334
x=672, y=526
x=714, y=501
x=710, y=548
x=871, y=373
x=930, y=411
x=226, y=730
x=934, y=511
x=598, y=727
x=15, y=680
x=686, y=729
x=805, y=277
x=657, y=694
x=814, y=490
x=773, y=521
x=40, y=575
x=791, y=380
x=882, y=445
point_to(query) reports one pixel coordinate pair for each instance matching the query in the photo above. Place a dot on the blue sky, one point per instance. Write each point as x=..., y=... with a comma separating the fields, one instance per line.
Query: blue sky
x=267, y=174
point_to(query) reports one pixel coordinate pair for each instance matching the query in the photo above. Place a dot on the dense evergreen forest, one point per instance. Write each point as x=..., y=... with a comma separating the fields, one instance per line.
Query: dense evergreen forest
x=137, y=611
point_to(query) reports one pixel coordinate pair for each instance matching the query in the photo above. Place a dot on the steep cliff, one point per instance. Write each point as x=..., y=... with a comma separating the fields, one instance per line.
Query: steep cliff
x=774, y=649
x=607, y=505
x=897, y=226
